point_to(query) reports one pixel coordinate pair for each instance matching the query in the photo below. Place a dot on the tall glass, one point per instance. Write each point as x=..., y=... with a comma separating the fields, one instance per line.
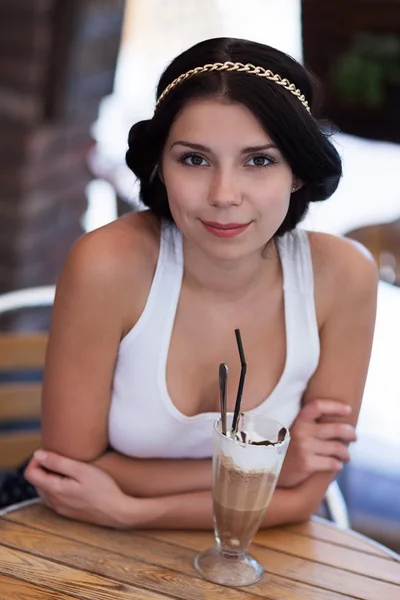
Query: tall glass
x=244, y=479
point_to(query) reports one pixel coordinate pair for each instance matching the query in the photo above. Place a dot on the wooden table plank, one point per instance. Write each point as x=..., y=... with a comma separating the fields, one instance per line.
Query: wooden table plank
x=288, y=576
x=385, y=569
x=328, y=532
x=62, y=579
x=101, y=561
x=11, y=588
x=313, y=573
x=159, y=553
x=299, y=569
x=141, y=547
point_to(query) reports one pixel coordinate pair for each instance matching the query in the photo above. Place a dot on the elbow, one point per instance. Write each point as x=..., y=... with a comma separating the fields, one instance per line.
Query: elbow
x=301, y=514
x=309, y=507
x=307, y=512
x=305, y=507
x=75, y=451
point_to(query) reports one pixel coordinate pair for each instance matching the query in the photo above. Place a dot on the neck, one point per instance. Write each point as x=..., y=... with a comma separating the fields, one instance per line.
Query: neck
x=230, y=279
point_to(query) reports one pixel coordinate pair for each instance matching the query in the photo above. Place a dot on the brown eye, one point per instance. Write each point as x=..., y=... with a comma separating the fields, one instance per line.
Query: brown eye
x=260, y=161
x=193, y=160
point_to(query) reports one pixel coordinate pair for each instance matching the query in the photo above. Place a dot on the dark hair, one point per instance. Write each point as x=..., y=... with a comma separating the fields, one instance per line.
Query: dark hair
x=302, y=141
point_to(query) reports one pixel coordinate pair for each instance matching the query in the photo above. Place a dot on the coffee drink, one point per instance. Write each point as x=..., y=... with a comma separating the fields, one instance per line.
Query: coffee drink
x=240, y=498
x=247, y=460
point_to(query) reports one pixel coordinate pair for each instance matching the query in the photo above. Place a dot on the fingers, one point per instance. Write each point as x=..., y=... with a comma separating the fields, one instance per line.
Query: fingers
x=336, y=431
x=317, y=408
x=53, y=502
x=58, y=464
x=324, y=463
x=335, y=450
x=40, y=478
x=52, y=484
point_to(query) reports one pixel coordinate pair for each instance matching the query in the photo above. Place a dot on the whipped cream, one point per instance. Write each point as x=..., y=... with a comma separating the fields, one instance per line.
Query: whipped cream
x=252, y=454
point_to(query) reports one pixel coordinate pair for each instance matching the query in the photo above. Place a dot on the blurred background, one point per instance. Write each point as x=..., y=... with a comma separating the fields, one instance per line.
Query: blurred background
x=76, y=74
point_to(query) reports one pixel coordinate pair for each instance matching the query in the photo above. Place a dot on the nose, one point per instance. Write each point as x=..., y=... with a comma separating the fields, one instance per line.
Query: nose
x=224, y=191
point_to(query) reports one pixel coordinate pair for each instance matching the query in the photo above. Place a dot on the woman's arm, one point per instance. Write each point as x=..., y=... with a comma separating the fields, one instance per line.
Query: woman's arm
x=314, y=447
x=101, y=286
x=146, y=478
x=349, y=290
x=80, y=359
x=194, y=511
x=345, y=338
x=81, y=491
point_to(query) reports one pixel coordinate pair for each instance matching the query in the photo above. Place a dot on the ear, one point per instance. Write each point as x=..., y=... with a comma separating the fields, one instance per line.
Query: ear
x=297, y=185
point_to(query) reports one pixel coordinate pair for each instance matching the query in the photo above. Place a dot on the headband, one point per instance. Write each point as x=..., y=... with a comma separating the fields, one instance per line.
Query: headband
x=240, y=68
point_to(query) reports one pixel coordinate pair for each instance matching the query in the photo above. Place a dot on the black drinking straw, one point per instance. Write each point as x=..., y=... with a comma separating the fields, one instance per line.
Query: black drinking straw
x=241, y=381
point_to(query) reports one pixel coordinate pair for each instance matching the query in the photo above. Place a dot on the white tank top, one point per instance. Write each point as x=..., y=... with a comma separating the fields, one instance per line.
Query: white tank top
x=143, y=420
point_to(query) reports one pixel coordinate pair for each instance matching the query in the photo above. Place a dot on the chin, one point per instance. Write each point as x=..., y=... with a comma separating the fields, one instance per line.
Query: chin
x=225, y=250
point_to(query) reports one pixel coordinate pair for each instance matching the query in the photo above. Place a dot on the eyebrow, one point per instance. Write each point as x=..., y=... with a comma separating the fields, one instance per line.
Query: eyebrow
x=202, y=148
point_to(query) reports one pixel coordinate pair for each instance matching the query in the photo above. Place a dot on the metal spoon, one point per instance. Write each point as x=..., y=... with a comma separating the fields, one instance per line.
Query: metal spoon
x=223, y=380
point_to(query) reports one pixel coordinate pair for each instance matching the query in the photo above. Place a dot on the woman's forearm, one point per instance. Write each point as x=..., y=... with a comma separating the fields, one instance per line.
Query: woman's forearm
x=194, y=510
x=150, y=478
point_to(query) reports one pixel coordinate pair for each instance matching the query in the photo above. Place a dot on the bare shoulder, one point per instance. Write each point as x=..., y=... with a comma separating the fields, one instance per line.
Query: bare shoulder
x=112, y=268
x=124, y=249
x=344, y=271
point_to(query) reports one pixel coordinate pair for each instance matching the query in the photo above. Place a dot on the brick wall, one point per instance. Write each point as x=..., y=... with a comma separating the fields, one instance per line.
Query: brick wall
x=58, y=61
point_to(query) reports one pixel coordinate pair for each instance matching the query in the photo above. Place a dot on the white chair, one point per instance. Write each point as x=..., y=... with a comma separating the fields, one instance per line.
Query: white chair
x=336, y=506
x=27, y=298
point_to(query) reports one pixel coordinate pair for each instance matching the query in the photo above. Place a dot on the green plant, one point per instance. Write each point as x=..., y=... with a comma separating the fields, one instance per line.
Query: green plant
x=363, y=73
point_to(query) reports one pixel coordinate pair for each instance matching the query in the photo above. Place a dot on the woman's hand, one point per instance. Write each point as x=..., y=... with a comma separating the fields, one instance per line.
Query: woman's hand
x=79, y=490
x=317, y=446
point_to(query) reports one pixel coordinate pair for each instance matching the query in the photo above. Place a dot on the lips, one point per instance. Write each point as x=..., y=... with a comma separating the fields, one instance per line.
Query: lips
x=225, y=230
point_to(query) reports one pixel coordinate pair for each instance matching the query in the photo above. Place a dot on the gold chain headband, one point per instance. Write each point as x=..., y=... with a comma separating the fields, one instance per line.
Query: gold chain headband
x=240, y=68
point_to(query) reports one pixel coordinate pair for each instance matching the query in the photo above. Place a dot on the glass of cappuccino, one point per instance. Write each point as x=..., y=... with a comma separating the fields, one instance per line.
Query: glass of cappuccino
x=246, y=467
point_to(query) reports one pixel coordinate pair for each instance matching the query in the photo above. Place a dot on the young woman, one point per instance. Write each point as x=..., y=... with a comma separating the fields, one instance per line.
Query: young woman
x=146, y=306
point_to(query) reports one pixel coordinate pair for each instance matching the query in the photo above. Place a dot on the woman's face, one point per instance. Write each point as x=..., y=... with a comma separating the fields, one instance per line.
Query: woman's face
x=228, y=185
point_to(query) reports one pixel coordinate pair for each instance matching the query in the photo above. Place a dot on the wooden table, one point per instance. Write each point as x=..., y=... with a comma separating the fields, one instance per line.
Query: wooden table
x=46, y=557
